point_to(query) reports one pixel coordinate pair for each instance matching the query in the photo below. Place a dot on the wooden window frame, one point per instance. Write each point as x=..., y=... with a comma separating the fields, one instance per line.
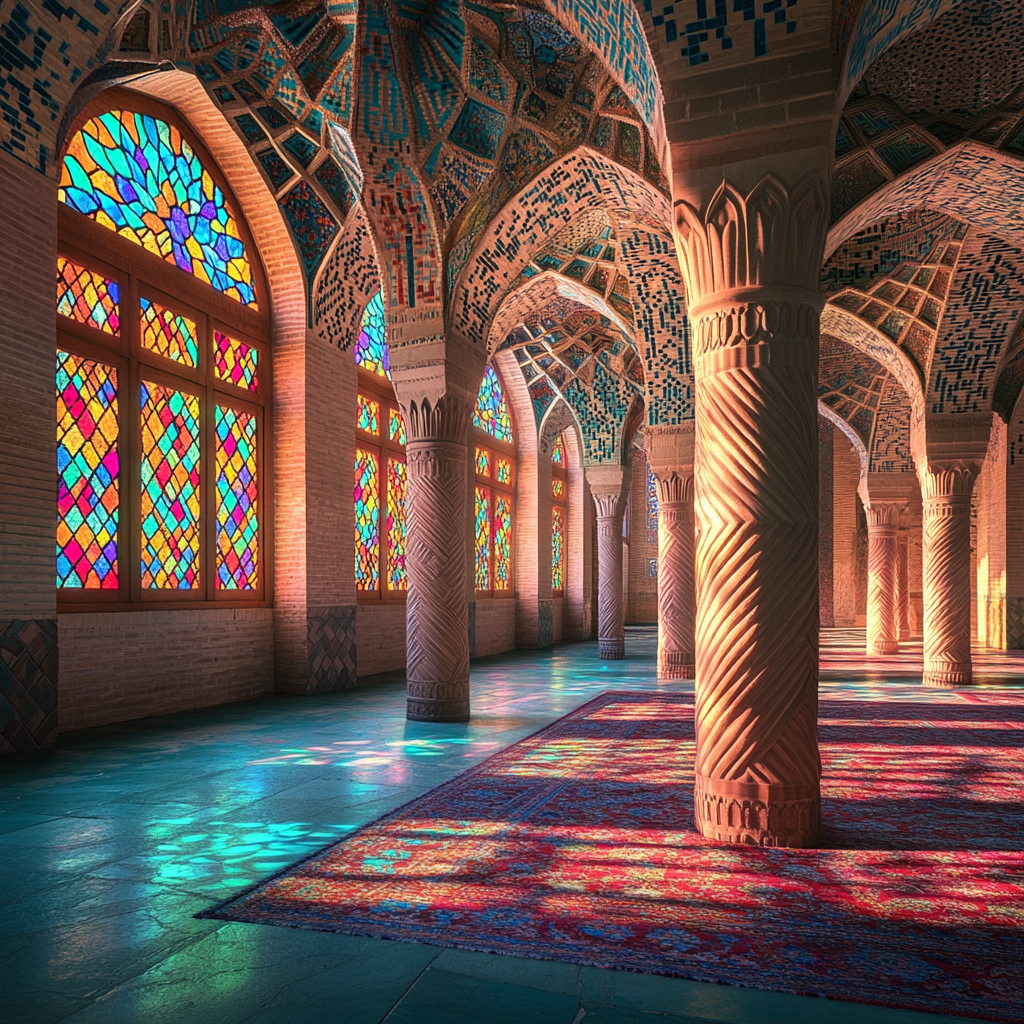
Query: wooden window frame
x=379, y=389
x=141, y=273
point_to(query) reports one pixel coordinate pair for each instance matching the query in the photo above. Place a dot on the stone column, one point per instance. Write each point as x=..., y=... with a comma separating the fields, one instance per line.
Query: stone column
x=946, y=494
x=903, y=583
x=883, y=562
x=752, y=266
x=608, y=484
x=437, y=615
x=670, y=456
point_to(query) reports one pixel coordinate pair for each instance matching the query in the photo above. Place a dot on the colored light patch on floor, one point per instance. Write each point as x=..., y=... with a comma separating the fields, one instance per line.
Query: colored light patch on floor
x=577, y=844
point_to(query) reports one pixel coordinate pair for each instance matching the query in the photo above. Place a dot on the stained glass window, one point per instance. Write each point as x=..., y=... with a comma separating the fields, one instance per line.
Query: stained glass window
x=491, y=413
x=371, y=349
x=397, y=579
x=558, y=452
x=136, y=175
x=503, y=472
x=169, y=334
x=483, y=462
x=396, y=426
x=237, y=494
x=557, y=488
x=87, y=474
x=482, y=534
x=170, y=488
x=89, y=298
x=502, y=542
x=235, y=362
x=652, y=507
x=367, y=505
x=557, y=547
x=367, y=414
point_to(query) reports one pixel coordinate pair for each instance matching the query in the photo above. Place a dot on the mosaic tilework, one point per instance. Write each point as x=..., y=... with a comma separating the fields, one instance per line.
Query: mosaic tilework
x=890, y=439
x=850, y=383
x=347, y=283
x=330, y=648
x=28, y=685
x=986, y=300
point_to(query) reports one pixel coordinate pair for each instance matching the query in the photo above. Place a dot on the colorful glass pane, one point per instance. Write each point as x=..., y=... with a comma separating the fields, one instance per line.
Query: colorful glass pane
x=652, y=507
x=482, y=534
x=491, y=413
x=502, y=543
x=558, y=452
x=87, y=468
x=89, y=298
x=367, y=414
x=237, y=497
x=557, y=547
x=483, y=462
x=367, y=505
x=235, y=362
x=557, y=488
x=169, y=334
x=396, y=426
x=504, y=471
x=397, y=579
x=137, y=176
x=170, y=488
x=371, y=350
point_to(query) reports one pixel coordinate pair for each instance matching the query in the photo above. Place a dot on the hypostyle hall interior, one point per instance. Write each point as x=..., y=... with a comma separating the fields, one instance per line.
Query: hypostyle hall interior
x=511, y=510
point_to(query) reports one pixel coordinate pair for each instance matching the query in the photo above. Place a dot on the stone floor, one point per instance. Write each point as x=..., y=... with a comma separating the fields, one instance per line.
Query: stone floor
x=112, y=841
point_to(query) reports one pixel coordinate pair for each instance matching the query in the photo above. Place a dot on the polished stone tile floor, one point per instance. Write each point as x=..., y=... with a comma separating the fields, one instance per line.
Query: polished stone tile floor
x=111, y=842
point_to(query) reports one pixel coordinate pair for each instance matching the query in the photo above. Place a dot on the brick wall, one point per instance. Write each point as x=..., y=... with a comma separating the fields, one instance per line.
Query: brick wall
x=116, y=666
x=495, y=626
x=380, y=638
x=845, y=477
x=642, y=598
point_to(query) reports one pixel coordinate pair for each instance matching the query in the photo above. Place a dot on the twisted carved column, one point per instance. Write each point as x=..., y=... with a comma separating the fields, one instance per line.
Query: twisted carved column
x=883, y=562
x=903, y=584
x=946, y=540
x=611, y=633
x=675, y=574
x=437, y=614
x=751, y=267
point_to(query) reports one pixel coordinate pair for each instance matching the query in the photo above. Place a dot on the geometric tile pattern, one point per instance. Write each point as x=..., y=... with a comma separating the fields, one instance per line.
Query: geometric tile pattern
x=28, y=685
x=330, y=648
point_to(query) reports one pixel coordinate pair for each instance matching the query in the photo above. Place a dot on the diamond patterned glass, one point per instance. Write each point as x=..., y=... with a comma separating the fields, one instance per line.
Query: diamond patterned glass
x=137, y=176
x=169, y=334
x=367, y=505
x=89, y=298
x=482, y=535
x=483, y=462
x=557, y=547
x=237, y=500
x=396, y=426
x=557, y=488
x=503, y=472
x=367, y=414
x=87, y=474
x=397, y=479
x=235, y=362
x=558, y=452
x=502, y=542
x=170, y=488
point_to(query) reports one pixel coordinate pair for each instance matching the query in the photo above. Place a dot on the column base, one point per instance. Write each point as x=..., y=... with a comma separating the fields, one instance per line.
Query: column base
x=884, y=647
x=947, y=677
x=451, y=708
x=753, y=814
x=611, y=648
x=676, y=665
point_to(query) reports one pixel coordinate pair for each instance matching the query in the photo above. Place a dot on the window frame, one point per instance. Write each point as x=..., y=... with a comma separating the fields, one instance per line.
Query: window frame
x=141, y=273
x=559, y=473
x=480, y=438
x=379, y=388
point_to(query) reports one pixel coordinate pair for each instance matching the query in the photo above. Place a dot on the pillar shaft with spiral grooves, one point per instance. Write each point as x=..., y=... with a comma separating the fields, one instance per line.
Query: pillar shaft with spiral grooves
x=903, y=585
x=946, y=553
x=883, y=562
x=437, y=611
x=754, y=305
x=675, y=575
x=608, y=486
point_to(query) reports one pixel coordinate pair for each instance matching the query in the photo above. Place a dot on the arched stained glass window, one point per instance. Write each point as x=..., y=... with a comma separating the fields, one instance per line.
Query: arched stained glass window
x=491, y=414
x=559, y=488
x=558, y=452
x=138, y=176
x=371, y=351
x=380, y=473
x=652, y=507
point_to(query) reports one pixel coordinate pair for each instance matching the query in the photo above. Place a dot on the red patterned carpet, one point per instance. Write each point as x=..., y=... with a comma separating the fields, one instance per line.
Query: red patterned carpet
x=577, y=844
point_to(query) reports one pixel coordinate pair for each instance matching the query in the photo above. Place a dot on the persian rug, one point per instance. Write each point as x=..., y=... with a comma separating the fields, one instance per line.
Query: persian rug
x=578, y=844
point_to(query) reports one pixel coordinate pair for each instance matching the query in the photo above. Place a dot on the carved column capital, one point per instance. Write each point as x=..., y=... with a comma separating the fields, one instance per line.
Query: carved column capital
x=947, y=480
x=884, y=513
x=445, y=418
